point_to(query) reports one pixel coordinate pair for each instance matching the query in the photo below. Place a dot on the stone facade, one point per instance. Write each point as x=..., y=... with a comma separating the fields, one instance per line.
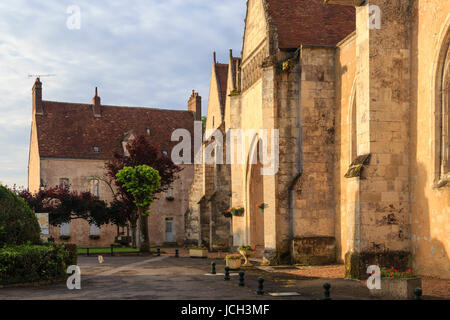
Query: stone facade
x=362, y=115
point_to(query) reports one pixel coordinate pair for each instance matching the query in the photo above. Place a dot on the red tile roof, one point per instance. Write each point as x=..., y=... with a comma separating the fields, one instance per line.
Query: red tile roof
x=222, y=76
x=70, y=130
x=310, y=22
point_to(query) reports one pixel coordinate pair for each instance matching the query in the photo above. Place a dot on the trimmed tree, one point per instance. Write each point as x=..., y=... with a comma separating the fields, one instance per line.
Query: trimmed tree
x=141, y=182
x=140, y=152
x=64, y=205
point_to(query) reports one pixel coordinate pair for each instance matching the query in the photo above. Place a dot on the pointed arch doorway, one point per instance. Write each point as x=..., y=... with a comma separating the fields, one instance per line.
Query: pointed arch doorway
x=256, y=217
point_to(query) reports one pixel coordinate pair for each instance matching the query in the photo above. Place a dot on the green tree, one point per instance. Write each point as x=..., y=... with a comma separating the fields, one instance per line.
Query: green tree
x=141, y=182
x=18, y=224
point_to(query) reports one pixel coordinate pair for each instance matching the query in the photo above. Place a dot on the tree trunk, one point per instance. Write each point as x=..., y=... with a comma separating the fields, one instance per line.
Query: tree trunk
x=133, y=226
x=145, y=244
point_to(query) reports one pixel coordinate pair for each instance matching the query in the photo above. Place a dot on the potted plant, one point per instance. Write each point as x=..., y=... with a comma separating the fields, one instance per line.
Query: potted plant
x=198, y=252
x=233, y=261
x=246, y=252
x=397, y=285
x=220, y=246
x=262, y=206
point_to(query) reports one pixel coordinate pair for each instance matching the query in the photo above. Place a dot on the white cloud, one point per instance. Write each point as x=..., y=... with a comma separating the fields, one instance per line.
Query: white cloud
x=139, y=53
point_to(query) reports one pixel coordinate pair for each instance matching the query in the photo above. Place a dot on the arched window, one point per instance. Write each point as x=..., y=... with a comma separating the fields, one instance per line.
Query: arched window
x=442, y=118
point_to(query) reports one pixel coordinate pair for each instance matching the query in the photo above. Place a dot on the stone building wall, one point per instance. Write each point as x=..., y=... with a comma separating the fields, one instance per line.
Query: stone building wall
x=430, y=205
x=382, y=226
x=80, y=172
x=314, y=215
x=345, y=145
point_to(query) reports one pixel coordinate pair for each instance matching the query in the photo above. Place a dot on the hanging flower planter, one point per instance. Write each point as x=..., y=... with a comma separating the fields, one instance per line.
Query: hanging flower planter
x=262, y=206
x=238, y=212
x=227, y=214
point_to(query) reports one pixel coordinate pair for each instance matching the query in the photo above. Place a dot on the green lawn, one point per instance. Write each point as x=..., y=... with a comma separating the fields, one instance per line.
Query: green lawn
x=108, y=250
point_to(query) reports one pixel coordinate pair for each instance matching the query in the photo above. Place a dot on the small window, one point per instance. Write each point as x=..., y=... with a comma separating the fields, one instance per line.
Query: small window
x=170, y=192
x=169, y=225
x=64, y=183
x=96, y=149
x=94, y=187
x=148, y=131
x=94, y=230
x=64, y=229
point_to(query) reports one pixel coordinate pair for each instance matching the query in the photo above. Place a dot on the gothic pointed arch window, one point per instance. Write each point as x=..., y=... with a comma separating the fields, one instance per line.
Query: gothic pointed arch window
x=442, y=117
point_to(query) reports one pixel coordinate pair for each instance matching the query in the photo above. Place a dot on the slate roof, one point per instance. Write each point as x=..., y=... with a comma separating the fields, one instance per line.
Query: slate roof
x=70, y=130
x=310, y=22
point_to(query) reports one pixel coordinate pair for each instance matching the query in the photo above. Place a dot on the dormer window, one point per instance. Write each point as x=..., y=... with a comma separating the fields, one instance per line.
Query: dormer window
x=96, y=149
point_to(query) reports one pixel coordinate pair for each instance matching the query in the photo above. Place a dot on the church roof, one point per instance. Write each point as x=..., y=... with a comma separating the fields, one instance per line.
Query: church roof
x=310, y=22
x=70, y=130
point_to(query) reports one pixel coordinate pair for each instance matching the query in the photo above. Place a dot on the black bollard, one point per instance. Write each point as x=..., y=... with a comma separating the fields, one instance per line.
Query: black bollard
x=87, y=251
x=176, y=253
x=213, y=268
x=417, y=294
x=158, y=252
x=260, y=286
x=227, y=274
x=326, y=294
x=112, y=250
x=241, y=278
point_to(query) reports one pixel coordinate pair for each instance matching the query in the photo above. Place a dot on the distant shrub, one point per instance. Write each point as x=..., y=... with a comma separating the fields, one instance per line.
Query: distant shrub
x=33, y=263
x=18, y=224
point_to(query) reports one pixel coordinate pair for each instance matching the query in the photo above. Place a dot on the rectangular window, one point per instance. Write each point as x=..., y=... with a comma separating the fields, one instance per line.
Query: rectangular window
x=95, y=187
x=170, y=192
x=94, y=230
x=65, y=229
x=64, y=182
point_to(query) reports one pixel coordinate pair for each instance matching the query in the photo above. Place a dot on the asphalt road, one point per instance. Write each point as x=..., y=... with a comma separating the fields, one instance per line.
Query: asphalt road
x=167, y=277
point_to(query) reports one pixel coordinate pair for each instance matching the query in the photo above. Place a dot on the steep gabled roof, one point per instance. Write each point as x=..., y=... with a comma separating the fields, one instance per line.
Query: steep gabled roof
x=310, y=22
x=70, y=130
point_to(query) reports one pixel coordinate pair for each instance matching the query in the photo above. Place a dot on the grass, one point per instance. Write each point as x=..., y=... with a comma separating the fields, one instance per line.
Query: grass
x=108, y=250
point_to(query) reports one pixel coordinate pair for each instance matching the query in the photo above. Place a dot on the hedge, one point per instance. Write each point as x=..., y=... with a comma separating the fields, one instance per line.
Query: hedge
x=33, y=263
x=18, y=224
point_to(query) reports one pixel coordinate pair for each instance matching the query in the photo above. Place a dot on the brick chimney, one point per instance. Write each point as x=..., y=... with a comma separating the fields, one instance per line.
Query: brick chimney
x=195, y=105
x=37, y=97
x=96, y=105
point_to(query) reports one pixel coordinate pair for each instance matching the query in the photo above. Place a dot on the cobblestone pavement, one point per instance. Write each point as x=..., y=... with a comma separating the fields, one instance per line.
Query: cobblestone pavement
x=167, y=277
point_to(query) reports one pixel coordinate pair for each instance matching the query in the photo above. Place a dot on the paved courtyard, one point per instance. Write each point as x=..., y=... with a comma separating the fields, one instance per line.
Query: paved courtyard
x=167, y=277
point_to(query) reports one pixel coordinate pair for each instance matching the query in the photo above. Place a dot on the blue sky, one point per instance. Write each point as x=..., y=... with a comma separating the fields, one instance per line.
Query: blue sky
x=138, y=52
